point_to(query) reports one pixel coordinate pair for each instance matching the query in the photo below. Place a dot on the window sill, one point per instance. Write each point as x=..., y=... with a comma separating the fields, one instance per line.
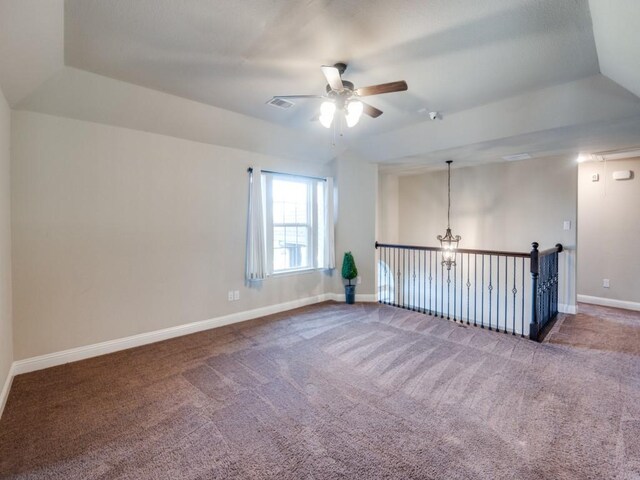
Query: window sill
x=288, y=273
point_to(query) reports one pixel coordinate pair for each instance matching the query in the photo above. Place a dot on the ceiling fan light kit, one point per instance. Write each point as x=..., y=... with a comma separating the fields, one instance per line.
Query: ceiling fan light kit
x=354, y=112
x=327, y=111
x=342, y=95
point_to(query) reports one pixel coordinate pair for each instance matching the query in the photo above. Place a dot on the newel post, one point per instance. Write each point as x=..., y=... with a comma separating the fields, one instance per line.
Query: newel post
x=534, y=326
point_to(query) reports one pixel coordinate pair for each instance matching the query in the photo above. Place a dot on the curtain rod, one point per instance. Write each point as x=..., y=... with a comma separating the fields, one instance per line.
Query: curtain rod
x=250, y=170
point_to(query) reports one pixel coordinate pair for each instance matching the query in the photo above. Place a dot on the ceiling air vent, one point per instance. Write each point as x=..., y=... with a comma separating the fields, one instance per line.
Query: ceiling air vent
x=517, y=156
x=280, y=103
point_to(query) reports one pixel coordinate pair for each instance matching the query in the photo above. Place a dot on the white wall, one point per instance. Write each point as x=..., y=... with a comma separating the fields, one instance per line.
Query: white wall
x=6, y=335
x=609, y=233
x=503, y=206
x=118, y=232
x=356, y=182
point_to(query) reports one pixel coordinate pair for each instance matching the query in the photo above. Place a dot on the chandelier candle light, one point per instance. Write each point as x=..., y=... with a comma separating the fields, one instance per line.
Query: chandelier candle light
x=448, y=242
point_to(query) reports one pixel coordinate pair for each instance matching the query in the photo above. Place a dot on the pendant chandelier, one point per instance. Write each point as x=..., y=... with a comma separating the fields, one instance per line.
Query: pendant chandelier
x=448, y=242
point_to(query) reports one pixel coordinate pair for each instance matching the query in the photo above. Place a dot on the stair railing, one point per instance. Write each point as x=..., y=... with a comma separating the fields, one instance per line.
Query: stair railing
x=484, y=288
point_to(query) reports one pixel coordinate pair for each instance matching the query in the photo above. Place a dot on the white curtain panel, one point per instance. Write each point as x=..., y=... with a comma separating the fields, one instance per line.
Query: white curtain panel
x=256, y=260
x=329, y=257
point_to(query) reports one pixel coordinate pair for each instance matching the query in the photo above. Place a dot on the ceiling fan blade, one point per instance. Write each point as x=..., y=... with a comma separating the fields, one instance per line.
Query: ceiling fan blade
x=399, y=86
x=297, y=96
x=332, y=74
x=371, y=111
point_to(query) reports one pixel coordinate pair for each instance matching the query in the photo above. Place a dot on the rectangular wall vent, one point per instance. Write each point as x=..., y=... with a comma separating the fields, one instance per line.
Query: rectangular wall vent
x=281, y=103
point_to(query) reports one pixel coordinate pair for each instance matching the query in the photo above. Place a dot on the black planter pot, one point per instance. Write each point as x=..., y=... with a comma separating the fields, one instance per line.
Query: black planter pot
x=350, y=293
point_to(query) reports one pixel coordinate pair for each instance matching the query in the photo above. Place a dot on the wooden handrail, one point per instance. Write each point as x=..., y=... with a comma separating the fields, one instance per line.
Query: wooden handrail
x=459, y=250
x=557, y=249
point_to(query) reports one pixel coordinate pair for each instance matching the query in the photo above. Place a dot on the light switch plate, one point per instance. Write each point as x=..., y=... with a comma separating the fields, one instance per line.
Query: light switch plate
x=595, y=177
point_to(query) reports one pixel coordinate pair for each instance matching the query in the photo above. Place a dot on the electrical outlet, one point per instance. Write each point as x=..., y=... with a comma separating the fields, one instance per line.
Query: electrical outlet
x=605, y=282
x=358, y=280
x=230, y=295
x=566, y=225
x=236, y=295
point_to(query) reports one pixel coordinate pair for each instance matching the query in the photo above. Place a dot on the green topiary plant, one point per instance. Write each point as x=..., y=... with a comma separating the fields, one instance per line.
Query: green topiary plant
x=349, y=270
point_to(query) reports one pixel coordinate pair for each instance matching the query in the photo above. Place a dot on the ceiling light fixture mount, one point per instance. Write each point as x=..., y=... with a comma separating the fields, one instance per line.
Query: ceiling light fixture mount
x=449, y=242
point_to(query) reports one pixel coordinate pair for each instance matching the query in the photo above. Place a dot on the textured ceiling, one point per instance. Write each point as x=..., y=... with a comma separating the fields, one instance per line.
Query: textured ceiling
x=236, y=55
x=508, y=76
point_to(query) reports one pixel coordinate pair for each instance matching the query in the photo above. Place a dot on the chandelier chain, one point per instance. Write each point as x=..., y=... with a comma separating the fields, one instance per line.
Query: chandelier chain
x=449, y=195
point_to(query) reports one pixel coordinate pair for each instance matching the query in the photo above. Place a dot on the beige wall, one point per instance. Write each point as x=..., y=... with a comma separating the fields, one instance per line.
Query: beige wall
x=118, y=232
x=388, y=210
x=609, y=233
x=6, y=335
x=356, y=182
x=503, y=206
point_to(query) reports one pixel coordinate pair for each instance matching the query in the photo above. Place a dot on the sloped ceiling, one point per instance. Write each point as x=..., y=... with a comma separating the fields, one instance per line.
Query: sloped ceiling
x=503, y=73
x=31, y=45
x=617, y=35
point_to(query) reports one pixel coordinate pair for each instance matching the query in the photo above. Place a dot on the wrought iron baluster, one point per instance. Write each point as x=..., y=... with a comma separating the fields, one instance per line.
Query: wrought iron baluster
x=522, y=301
x=448, y=294
x=468, y=286
x=430, y=282
x=389, y=277
x=482, y=299
x=404, y=279
x=379, y=255
x=413, y=305
x=514, y=291
x=441, y=288
x=490, y=287
x=506, y=295
x=398, y=282
x=422, y=278
x=381, y=274
x=461, y=279
x=556, y=267
x=498, y=293
x=475, y=289
x=386, y=275
x=455, y=280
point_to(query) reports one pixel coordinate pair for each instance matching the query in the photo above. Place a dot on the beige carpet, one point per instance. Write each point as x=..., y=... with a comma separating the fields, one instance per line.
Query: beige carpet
x=333, y=391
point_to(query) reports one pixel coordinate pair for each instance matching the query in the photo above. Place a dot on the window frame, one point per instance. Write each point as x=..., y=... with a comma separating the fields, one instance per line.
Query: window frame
x=312, y=185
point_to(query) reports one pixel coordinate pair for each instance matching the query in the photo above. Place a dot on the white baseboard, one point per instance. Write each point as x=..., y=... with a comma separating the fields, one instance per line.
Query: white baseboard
x=81, y=353
x=4, y=394
x=570, y=309
x=360, y=297
x=110, y=346
x=609, y=302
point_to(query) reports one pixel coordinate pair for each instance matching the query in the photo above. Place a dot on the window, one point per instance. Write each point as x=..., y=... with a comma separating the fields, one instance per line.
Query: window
x=295, y=222
x=289, y=224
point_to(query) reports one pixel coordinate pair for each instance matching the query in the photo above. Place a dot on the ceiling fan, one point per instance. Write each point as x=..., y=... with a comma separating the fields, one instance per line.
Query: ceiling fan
x=342, y=95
